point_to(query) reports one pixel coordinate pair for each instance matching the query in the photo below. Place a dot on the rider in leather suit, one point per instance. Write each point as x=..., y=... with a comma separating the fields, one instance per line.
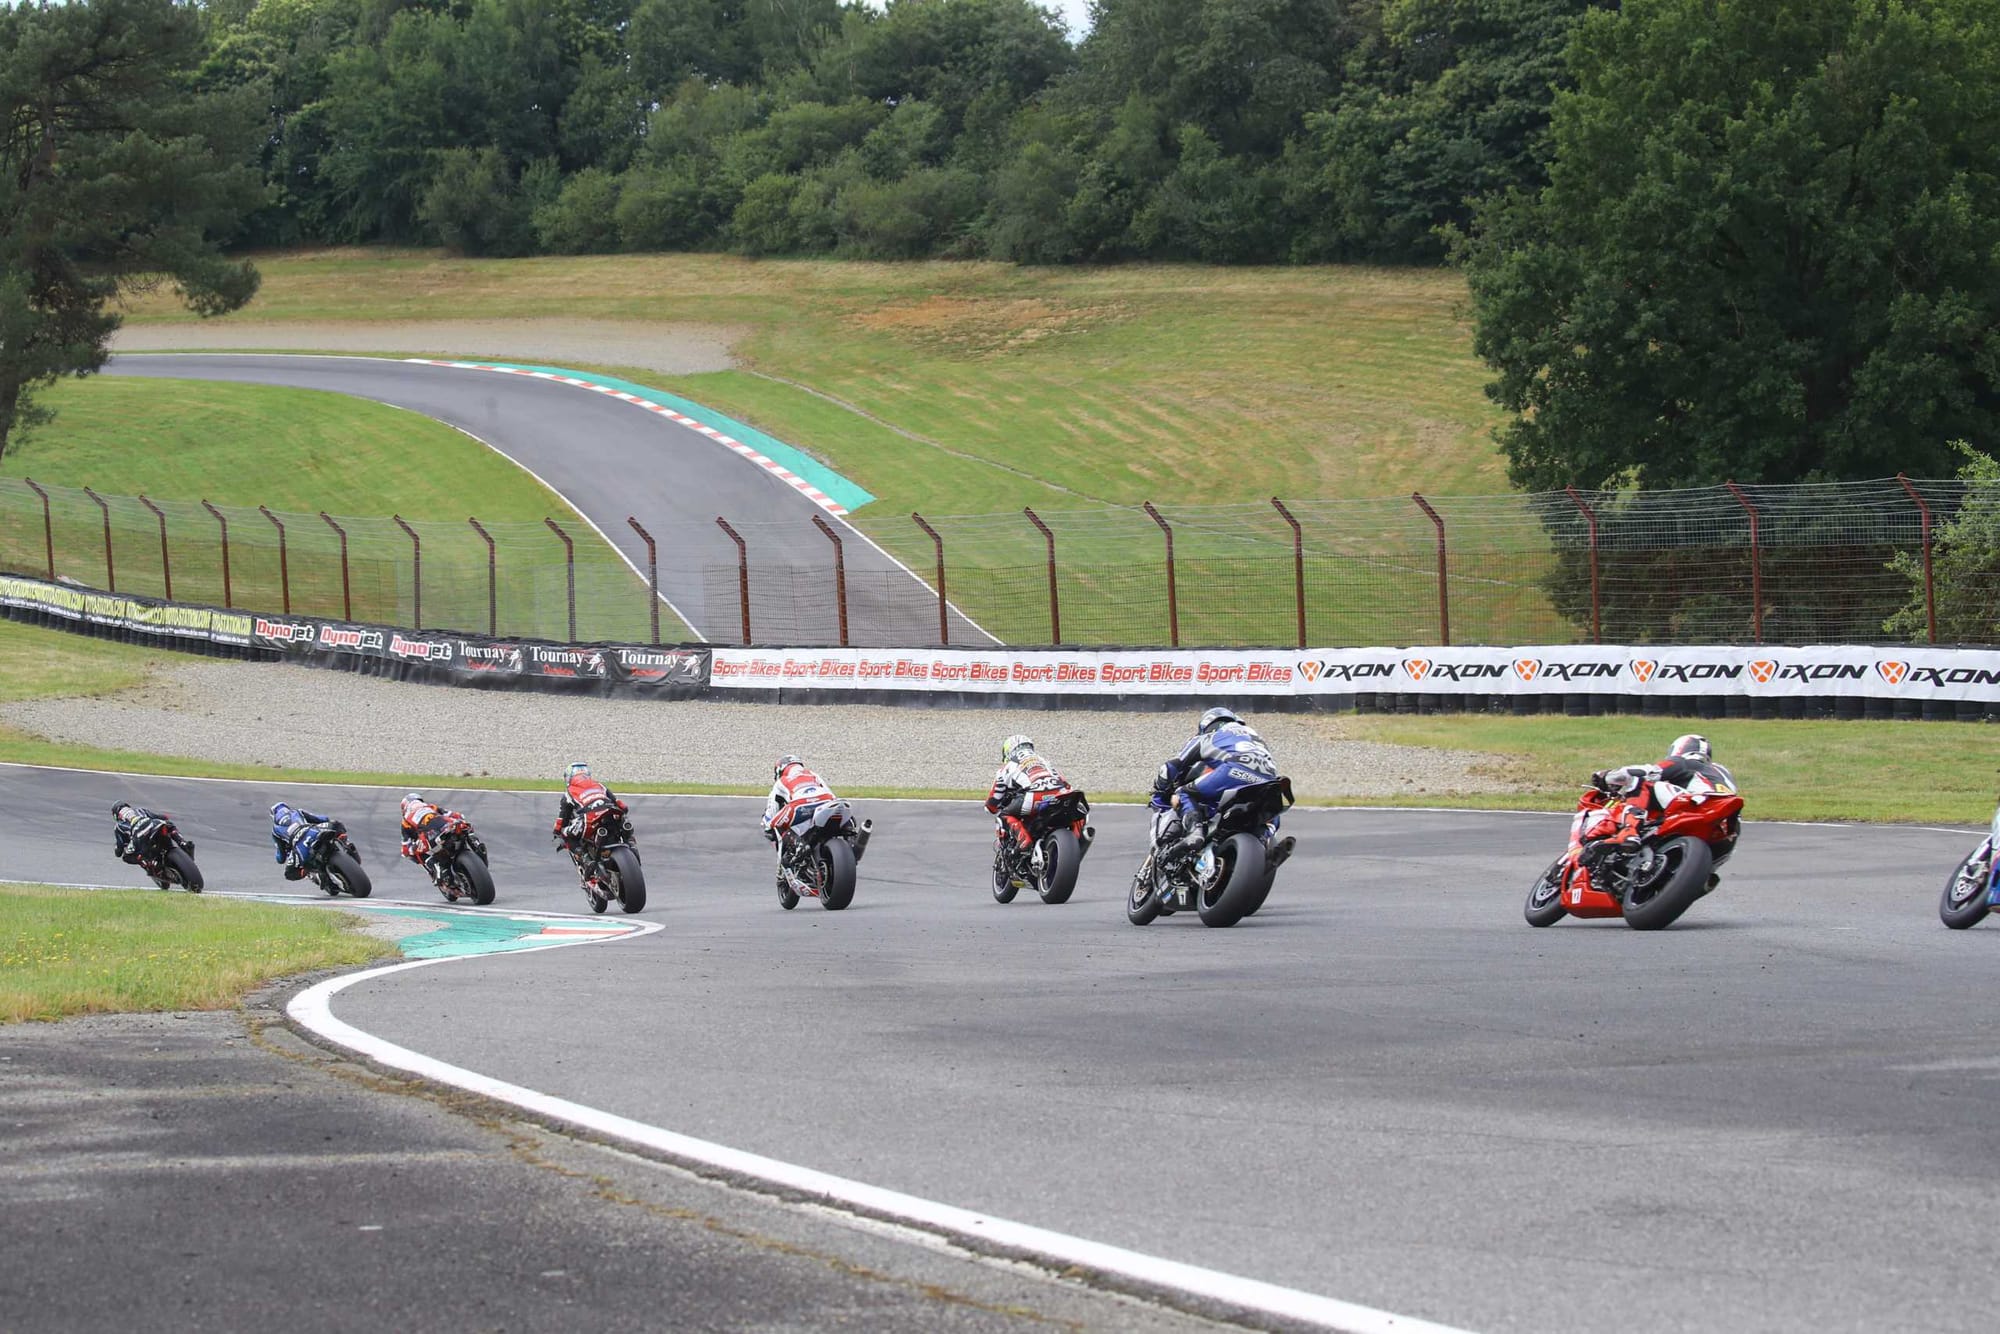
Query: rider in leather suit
x=1024, y=775
x=1221, y=743
x=287, y=823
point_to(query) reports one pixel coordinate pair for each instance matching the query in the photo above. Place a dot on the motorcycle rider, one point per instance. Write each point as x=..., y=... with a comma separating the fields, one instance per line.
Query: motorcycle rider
x=126, y=818
x=1023, y=779
x=1630, y=799
x=582, y=794
x=287, y=823
x=795, y=791
x=423, y=822
x=1223, y=745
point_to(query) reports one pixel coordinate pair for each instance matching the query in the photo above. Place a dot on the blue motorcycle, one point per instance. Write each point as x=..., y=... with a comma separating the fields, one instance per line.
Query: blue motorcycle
x=1974, y=888
x=330, y=858
x=1227, y=859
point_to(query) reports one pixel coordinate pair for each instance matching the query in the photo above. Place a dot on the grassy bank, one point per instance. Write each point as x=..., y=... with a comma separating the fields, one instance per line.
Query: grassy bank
x=71, y=951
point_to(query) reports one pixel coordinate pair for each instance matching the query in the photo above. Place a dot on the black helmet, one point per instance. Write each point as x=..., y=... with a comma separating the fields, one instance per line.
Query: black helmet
x=1215, y=718
x=1690, y=747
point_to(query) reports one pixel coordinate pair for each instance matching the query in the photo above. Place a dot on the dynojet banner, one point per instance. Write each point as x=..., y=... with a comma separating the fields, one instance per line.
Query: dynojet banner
x=469, y=659
x=1899, y=672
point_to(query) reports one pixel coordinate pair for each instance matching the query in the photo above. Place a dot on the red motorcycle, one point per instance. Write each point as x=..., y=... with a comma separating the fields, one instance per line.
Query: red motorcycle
x=1059, y=834
x=607, y=861
x=1678, y=833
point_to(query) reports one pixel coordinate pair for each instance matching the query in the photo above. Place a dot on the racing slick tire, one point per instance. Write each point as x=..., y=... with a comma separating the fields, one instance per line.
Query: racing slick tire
x=343, y=872
x=1142, y=901
x=838, y=890
x=477, y=878
x=1060, y=867
x=1545, y=901
x=182, y=871
x=1964, y=902
x=1242, y=877
x=1004, y=888
x=1660, y=901
x=631, y=880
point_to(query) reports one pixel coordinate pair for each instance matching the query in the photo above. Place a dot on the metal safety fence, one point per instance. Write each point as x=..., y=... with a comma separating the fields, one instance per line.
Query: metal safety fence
x=1890, y=560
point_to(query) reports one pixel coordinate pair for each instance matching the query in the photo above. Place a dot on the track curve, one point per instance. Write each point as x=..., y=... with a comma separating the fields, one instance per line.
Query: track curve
x=1385, y=1087
x=610, y=460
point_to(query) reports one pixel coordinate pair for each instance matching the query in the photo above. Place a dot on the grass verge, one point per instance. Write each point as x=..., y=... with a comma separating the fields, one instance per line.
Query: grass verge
x=72, y=951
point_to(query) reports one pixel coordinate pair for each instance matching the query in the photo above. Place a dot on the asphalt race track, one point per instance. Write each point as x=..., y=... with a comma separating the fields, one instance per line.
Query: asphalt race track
x=610, y=459
x=1384, y=1088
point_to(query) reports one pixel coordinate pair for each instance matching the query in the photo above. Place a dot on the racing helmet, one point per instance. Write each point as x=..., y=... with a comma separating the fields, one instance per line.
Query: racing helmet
x=785, y=762
x=575, y=771
x=119, y=809
x=279, y=810
x=1215, y=718
x=417, y=797
x=1015, y=746
x=1690, y=747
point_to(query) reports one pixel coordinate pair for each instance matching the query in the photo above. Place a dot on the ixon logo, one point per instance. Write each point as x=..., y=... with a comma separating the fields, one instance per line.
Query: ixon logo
x=1314, y=670
x=1893, y=672
x=1531, y=669
x=1643, y=669
x=1761, y=670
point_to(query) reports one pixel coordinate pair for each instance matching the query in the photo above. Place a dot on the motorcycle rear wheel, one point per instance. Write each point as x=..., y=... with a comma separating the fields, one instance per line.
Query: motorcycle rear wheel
x=181, y=870
x=346, y=873
x=837, y=891
x=1673, y=890
x=477, y=878
x=1545, y=901
x=628, y=878
x=1968, y=910
x=1242, y=858
x=1060, y=866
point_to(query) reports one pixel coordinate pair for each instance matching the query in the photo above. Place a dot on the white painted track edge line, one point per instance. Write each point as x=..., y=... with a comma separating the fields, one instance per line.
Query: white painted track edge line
x=313, y=1010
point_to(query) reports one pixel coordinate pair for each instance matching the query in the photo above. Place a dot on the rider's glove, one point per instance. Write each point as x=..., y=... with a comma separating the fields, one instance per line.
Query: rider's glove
x=770, y=834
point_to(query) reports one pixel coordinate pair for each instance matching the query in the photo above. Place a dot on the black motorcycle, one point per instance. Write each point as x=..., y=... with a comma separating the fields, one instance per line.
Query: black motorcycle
x=607, y=860
x=330, y=858
x=1059, y=836
x=458, y=865
x=1227, y=863
x=817, y=856
x=164, y=854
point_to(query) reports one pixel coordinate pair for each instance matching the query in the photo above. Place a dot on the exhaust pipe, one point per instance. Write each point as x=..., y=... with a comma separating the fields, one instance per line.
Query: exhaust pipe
x=1281, y=850
x=1089, y=837
x=861, y=839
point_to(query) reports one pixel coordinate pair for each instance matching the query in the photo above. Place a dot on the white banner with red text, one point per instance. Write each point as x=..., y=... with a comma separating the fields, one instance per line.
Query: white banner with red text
x=1859, y=670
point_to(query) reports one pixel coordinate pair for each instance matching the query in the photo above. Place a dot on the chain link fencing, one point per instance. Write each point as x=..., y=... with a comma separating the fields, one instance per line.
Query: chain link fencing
x=1890, y=560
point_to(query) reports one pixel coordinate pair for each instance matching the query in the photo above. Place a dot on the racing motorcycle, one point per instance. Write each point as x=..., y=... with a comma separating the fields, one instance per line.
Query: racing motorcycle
x=607, y=861
x=1234, y=859
x=164, y=854
x=458, y=865
x=329, y=857
x=1683, y=835
x=817, y=854
x=1059, y=837
x=1974, y=887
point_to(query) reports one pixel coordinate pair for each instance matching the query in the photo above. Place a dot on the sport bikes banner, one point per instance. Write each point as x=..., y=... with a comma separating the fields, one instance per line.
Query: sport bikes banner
x=432, y=655
x=1559, y=669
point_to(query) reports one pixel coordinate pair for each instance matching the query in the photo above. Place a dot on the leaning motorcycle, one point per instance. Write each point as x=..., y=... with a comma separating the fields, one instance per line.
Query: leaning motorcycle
x=607, y=860
x=330, y=858
x=1651, y=880
x=459, y=866
x=1058, y=835
x=818, y=853
x=164, y=854
x=1974, y=887
x=1234, y=858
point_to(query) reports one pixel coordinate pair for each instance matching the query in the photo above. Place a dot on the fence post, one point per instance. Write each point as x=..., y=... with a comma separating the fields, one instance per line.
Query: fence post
x=416, y=571
x=839, y=574
x=1596, y=633
x=1055, y=607
x=1173, y=599
x=492, y=580
x=227, y=599
x=1444, y=586
x=652, y=571
x=1298, y=565
x=944, y=622
x=48, y=526
x=110, y=571
x=1930, y=590
x=569, y=563
x=284, y=564
x=166, y=570
x=346, y=594
x=1756, y=566
x=742, y=574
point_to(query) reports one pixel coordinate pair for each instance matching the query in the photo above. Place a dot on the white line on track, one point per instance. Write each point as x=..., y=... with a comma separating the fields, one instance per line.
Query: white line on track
x=312, y=1008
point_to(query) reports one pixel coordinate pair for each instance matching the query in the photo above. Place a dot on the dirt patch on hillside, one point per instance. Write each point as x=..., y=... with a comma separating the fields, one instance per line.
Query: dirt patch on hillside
x=961, y=324
x=675, y=349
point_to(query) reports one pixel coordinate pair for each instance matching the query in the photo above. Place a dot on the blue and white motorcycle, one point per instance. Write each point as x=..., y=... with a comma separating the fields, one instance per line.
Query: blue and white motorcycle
x=1228, y=860
x=1974, y=888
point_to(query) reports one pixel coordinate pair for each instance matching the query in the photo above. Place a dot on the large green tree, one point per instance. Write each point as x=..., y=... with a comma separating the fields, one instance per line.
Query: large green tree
x=114, y=174
x=1769, y=248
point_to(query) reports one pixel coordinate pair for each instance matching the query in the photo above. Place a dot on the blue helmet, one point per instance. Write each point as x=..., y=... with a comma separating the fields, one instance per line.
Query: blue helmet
x=280, y=811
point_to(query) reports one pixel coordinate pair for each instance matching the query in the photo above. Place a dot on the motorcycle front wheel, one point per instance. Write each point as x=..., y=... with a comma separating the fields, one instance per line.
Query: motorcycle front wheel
x=1004, y=888
x=1142, y=901
x=1964, y=902
x=1061, y=858
x=344, y=873
x=1545, y=901
x=628, y=878
x=837, y=891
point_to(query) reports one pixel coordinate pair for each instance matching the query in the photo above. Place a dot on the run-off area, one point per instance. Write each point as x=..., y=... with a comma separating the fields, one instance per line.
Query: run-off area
x=1385, y=1087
